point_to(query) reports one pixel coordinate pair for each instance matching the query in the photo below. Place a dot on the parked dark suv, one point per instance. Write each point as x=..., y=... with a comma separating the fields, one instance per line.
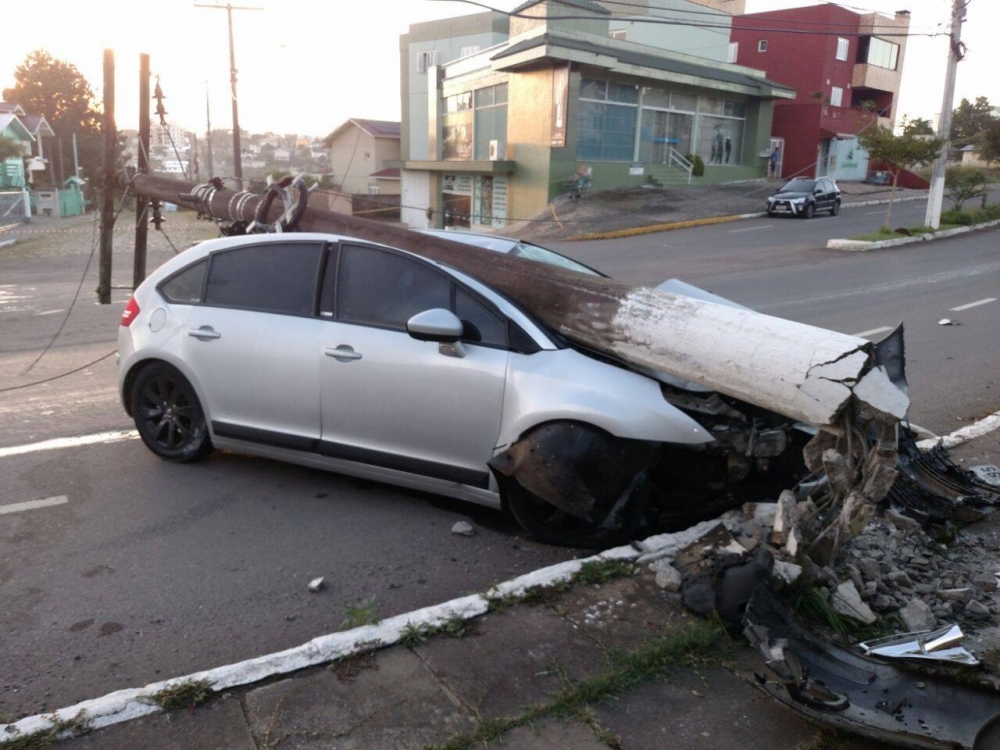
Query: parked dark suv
x=804, y=197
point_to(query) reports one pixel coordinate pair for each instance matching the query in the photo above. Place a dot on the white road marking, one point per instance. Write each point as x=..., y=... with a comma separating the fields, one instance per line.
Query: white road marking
x=974, y=304
x=872, y=332
x=872, y=213
x=751, y=229
x=73, y=442
x=49, y=312
x=47, y=502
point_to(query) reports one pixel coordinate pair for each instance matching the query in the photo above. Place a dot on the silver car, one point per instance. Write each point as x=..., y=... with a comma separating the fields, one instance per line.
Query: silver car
x=370, y=361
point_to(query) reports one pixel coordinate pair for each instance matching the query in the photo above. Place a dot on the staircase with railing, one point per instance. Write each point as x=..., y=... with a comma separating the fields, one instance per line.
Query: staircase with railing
x=676, y=170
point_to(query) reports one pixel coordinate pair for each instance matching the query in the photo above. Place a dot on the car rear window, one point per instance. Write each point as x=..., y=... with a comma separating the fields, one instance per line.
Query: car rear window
x=185, y=287
x=276, y=277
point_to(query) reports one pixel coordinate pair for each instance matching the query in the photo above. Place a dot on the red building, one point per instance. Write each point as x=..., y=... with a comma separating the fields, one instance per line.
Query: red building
x=837, y=61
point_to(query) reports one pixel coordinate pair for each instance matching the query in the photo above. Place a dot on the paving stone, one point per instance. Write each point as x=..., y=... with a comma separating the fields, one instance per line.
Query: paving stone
x=726, y=712
x=218, y=725
x=518, y=659
x=645, y=612
x=549, y=735
x=392, y=702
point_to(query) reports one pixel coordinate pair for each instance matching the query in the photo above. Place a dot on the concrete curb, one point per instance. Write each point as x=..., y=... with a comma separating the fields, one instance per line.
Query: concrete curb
x=862, y=246
x=7, y=243
x=133, y=703
x=962, y=435
x=654, y=228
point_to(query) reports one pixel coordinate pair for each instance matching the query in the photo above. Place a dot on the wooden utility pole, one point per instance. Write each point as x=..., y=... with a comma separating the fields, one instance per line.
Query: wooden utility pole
x=956, y=52
x=237, y=150
x=141, y=201
x=108, y=200
x=208, y=135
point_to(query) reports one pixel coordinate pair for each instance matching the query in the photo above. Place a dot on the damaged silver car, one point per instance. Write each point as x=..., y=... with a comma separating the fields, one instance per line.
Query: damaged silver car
x=375, y=362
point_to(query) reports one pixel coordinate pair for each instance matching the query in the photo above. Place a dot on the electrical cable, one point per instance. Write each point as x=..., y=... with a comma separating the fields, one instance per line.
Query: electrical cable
x=61, y=375
x=669, y=22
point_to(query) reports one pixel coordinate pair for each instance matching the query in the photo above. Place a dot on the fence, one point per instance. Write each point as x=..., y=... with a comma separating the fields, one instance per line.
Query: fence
x=12, y=208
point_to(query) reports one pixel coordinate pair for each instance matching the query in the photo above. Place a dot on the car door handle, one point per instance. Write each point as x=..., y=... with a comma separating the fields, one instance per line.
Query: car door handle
x=205, y=333
x=343, y=353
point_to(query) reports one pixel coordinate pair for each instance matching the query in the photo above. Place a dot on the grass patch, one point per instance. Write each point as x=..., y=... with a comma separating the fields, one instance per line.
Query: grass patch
x=76, y=726
x=602, y=571
x=827, y=739
x=699, y=644
x=183, y=695
x=590, y=573
x=360, y=614
x=453, y=627
x=814, y=605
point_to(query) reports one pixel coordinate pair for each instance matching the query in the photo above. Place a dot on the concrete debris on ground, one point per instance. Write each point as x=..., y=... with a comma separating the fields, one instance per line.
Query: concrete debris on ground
x=463, y=528
x=316, y=584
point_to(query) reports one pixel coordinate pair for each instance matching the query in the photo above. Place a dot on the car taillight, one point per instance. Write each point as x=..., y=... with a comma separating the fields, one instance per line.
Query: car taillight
x=131, y=312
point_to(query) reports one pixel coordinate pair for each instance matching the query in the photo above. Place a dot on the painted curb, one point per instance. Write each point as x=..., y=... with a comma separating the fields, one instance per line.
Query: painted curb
x=7, y=243
x=654, y=228
x=861, y=246
x=962, y=435
x=133, y=703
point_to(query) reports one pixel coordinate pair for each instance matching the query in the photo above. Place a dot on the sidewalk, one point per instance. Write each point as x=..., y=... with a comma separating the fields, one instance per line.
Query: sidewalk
x=611, y=660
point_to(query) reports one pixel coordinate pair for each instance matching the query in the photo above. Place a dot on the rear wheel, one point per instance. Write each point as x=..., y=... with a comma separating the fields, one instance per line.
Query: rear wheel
x=835, y=209
x=168, y=415
x=618, y=519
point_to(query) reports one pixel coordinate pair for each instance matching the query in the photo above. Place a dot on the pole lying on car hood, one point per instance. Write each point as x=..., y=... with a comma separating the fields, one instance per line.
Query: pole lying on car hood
x=808, y=374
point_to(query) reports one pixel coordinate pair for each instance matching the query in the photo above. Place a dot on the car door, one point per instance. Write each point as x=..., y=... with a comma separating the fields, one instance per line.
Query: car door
x=253, y=343
x=827, y=196
x=396, y=402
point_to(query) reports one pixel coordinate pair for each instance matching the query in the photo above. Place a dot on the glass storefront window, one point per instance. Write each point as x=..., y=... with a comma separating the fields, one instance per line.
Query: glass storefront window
x=685, y=102
x=606, y=120
x=720, y=140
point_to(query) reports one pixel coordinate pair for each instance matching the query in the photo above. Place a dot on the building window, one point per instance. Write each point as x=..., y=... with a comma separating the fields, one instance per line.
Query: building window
x=842, y=48
x=373, y=190
x=368, y=155
x=720, y=130
x=878, y=52
x=606, y=120
x=762, y=45
x=619, y=34
x=469, y=50
x=836, y=96
x=456, y=129
x=734, y=52
x=490, y=105
x=425, y=60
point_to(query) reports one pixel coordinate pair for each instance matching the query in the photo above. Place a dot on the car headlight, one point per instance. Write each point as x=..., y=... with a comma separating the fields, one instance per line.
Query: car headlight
x=798, y=201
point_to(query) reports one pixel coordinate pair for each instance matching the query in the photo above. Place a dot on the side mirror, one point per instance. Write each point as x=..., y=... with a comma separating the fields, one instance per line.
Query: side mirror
x=438, y=325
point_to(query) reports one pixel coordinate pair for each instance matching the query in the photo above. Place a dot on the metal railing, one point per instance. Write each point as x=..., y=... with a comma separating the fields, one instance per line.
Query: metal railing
x=678, y=160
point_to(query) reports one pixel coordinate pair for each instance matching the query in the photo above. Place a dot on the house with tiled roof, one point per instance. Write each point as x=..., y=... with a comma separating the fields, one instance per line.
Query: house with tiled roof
x=364, y=158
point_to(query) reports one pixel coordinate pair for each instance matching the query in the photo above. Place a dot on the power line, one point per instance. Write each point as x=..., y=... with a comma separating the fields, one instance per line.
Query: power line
x=691, y=24
x=57, y=377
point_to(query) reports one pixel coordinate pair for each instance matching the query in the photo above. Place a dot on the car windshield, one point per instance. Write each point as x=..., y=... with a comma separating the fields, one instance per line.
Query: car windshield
x=799, y=185
x=534, y=252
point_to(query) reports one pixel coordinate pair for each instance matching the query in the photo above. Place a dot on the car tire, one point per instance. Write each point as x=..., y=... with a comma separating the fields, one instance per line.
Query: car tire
x=554, y=526
x=770, y=213
x=168, y=414
x=810, y=211
x=835, y=209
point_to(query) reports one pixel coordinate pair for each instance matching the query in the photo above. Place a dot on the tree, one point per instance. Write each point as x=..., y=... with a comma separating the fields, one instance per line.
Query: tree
x=969, y=120
x=58, y=91
x=9, y=149
x=919, y=126
x=898, y=152
x=989, y=143
x=964, y=183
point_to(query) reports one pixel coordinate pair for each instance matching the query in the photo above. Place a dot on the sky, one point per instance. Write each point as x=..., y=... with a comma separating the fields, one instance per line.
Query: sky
x=305, y=66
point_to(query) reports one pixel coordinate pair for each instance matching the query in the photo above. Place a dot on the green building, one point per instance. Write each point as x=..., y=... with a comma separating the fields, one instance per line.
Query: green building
x=500, y=113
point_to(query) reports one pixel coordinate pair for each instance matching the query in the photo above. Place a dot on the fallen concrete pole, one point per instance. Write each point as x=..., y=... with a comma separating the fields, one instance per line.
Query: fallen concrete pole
x=805, y=373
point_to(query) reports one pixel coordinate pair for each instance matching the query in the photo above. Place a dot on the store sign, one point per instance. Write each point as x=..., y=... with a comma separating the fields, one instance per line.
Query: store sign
x=457, y=184
x=560, y=100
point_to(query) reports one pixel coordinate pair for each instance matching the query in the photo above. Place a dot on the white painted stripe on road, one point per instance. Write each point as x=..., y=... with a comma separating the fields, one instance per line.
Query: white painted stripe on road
x=47, y=502
x=49, y=312
x=872, y=213
x=751, y=229
x=964, y=434
x=72, y=442
x=974, y=304
x=872, y=332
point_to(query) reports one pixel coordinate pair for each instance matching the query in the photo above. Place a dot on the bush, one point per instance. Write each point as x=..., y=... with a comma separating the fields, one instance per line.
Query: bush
x=697, y=165
x=973, y=216
x=964, y=183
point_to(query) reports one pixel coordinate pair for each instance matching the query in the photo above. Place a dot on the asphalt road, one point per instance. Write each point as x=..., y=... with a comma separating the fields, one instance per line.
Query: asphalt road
x=149, y=570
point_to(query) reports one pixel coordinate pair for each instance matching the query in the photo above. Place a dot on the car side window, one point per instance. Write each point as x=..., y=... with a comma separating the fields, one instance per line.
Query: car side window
x=273, y=277
x=481, y=325
x=379, y=288
x=184, y=288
